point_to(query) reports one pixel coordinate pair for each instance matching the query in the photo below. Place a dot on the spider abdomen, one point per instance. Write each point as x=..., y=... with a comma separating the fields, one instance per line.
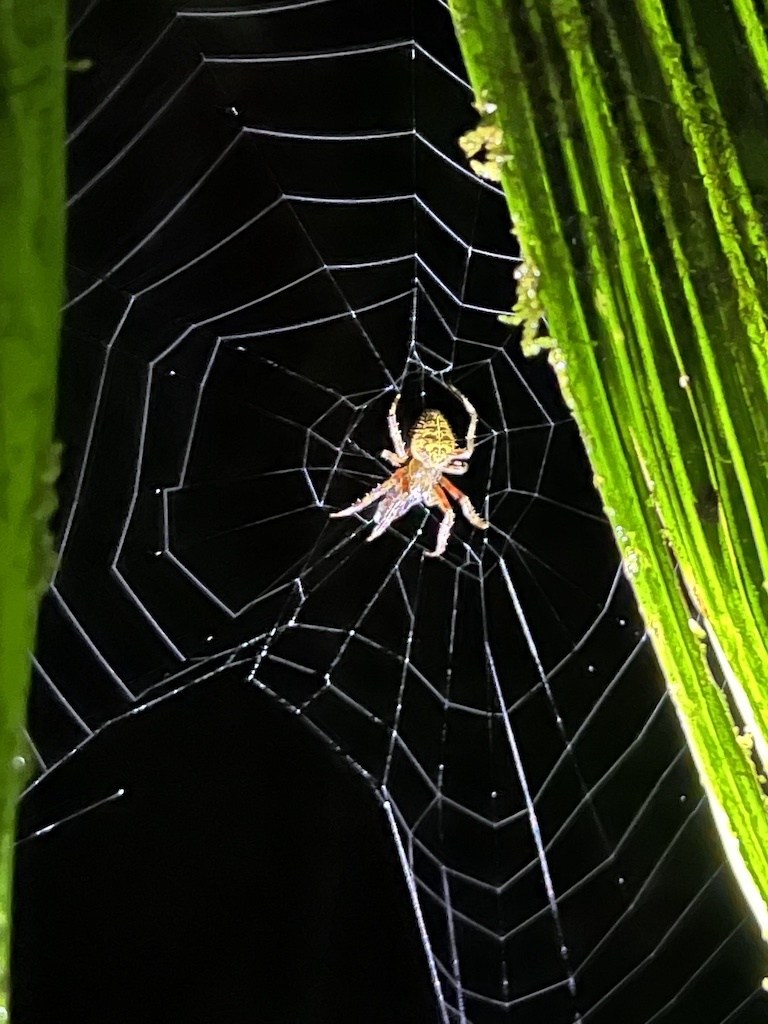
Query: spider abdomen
x=432, y=440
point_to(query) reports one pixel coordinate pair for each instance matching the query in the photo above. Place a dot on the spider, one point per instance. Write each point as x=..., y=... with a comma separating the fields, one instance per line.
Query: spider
x=419, y=478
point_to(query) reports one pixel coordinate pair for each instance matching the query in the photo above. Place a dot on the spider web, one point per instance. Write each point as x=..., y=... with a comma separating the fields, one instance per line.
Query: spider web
x=292, y=238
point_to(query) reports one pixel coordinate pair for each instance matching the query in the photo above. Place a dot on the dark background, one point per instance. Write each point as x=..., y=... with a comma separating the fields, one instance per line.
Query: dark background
x=262, y=250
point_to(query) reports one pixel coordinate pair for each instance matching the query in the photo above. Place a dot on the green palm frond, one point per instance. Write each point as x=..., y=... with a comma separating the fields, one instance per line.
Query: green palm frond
x=626, y=138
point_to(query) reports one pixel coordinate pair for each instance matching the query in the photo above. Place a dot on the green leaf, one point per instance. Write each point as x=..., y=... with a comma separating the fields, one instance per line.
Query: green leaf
x=32, y=70
x=638, y=190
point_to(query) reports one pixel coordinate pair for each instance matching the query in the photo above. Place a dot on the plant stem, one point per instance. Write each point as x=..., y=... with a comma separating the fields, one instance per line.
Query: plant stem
x=32, y=80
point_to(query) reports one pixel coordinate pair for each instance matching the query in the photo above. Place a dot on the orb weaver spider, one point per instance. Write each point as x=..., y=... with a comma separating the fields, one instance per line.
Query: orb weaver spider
x=419, y=477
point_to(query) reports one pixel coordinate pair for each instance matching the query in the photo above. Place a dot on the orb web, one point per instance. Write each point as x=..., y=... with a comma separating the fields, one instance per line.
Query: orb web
x=272, y=233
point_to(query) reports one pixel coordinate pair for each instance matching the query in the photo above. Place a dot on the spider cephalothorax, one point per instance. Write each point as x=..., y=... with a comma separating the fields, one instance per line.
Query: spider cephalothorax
x=431, y=452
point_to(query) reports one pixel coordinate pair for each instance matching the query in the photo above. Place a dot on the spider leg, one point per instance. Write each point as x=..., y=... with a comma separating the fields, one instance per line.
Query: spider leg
x=394, y=432
x=392, y=459
x=449, y=518
x=467, y=507
x=391, y=508
x=469, y=443
x=370, y=497
x=458, y=468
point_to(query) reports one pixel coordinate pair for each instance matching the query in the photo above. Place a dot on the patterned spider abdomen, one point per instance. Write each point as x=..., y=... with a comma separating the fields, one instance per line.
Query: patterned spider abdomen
x=432, y=440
